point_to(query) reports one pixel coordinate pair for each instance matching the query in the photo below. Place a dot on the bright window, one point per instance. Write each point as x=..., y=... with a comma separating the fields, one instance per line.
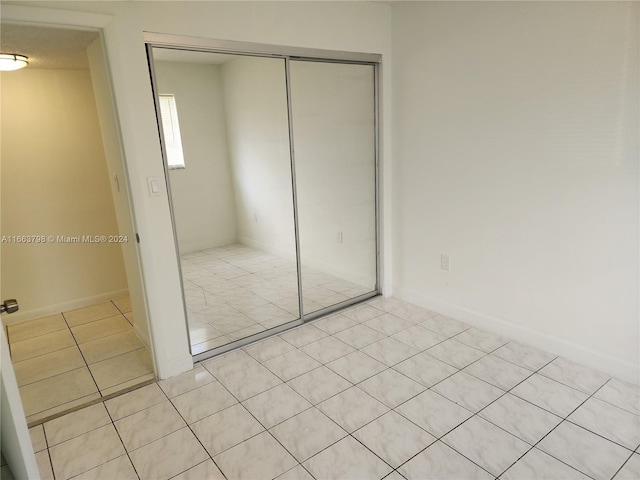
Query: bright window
x=171, y=130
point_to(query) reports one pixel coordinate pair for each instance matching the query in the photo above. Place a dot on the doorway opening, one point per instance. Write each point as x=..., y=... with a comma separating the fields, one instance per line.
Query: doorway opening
x=68, y=252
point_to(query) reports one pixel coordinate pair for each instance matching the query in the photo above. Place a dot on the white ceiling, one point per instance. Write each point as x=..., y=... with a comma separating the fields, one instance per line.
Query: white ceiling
x=46, y=47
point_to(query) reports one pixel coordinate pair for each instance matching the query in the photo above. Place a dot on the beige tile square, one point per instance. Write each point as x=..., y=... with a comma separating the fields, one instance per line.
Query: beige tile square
x=149, y=425
x=100, y=328
x=117, y=469
x=55, y=391
x=123, y=304
x=352, y=409
x=90, y=314
x=129, y=384
x=129, y=316
x=122, y=368
x=44, y=465
x=40, y=345
x=62, y=408
x=205, y=470
x=203, y=401
x=48, y=365
x=111, y=346
x=135, y=401
x=185, y=382
x=276, y=405
x=38, y=441
x=34, y=328
x=76, y=423
x=97, y=447
x=168, y=456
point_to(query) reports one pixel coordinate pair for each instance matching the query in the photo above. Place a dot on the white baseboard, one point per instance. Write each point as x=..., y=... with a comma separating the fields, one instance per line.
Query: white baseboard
x=203, y=245
x=26, y=315
x=626, y=371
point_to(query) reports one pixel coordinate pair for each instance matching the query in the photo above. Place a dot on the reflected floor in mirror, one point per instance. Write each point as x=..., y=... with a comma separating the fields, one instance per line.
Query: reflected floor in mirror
x=235, y=291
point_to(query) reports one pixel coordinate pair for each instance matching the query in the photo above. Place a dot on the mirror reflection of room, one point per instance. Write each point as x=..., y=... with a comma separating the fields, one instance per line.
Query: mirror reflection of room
x=226, y=129
x=232, y=200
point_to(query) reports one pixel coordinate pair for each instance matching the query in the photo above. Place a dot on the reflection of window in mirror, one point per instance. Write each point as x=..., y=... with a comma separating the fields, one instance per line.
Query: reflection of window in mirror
x=171, y=130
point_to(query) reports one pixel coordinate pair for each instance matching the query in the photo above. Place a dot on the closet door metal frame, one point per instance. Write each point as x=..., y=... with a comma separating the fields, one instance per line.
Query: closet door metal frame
x=178, y=42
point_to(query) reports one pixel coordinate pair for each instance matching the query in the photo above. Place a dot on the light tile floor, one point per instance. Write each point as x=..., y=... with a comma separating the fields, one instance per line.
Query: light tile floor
x=394, y=391
x=73, y=358
x=235, y=291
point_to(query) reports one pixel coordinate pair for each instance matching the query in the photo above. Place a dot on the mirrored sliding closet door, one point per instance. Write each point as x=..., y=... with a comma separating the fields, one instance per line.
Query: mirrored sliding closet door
x=271, y=168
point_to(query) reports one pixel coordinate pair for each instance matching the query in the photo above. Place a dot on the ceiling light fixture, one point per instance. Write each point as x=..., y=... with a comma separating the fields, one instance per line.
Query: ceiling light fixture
x=12, y=61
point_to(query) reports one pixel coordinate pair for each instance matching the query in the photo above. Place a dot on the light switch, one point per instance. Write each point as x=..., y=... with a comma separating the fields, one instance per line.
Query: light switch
x=154, y=186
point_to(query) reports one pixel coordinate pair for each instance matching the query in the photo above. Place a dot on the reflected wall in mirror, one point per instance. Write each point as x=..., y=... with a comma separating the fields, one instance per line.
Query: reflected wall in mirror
x=333, y=111
x=232, y=200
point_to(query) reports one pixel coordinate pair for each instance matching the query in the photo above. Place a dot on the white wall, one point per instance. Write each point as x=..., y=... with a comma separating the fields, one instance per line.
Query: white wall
x=346, y=26
x=55, y=182
x=334, y=139
x=516, y=142
x=255, y=99
x=202, y=193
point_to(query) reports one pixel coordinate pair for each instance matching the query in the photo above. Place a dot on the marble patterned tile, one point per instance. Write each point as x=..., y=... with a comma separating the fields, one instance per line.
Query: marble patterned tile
x=591, y=454
x=119, y=468
x=388, y=324
x=41, y=345
x=414, y=313
x=111, y=346
x=609, y=421
x=334, y=323
x=229, y=363
x=260, y=457
x=419, y=337
x=135, y=401
x=468, y=391
x=445, y=326
x=100, y=446
x=250, y=381
x=393, y=438
x=352, y=408
x=307, y=433
x=441, y=462
x=630, y=470
x=524, y=356
x=621, y=394
x=296, y=473
x=394, y=476
x=389, y=351
x=301, y=336
x=346, y=459
x=537, y=464
x=425, y=369
x=550, y=395
x=44, y=466
x=520, y=418
x=48, y=365
x=81, y=316
x=38, y=440
x=21, y=331
x=481, y=339
x=359, y=336
x=498, y=372
x=203, y=401
x=434, y=413
x=149, y=425
x=291, y=364
x=386, y=304
x=361, y=313
x=327, y=349
x=100, y=328
x=319, y=384
x=206, y=470
x=455, y=353
x=76, y=423
x=168, y=456
x=486, y=445
x=128, y=366
x=62, y=408
x=238, y=334
x=270, y=348
x=129, y=384
x=575, y=375
x=53, y=391
x=356, y=366
x=391, y=388
x=185, y=382
x=223, y=430
x=276, y=405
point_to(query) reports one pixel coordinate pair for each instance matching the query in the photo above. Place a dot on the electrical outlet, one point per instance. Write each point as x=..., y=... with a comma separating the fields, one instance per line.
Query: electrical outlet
x=339, y=237
x=445, y=262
